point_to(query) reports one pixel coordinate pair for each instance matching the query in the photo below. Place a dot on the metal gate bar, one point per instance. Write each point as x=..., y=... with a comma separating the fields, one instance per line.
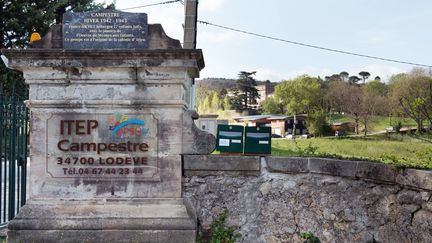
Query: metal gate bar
x=13, y=154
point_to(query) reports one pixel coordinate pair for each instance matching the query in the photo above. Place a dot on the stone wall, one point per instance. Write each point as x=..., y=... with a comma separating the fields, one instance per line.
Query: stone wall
x=274, y=199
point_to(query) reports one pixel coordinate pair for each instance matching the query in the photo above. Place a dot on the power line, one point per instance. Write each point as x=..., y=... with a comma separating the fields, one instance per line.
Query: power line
x=153, y=4
x=314, y=46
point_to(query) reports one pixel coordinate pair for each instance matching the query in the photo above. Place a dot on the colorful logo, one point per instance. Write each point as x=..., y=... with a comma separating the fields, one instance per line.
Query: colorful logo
x=122, y=127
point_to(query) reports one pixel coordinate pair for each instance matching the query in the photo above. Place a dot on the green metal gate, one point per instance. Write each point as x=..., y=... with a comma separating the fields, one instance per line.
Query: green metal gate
x=13, y=154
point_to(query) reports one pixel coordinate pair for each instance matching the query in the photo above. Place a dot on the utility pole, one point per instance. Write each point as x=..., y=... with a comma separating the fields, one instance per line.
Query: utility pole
x=189, y=38
x=190, y=25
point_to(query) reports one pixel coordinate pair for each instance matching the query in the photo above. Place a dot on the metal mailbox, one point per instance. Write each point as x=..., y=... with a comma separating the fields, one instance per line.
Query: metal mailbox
x=230, y=138
x=257, y=140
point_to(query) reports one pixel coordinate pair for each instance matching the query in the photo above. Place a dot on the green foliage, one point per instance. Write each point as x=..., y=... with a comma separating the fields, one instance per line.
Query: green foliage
x=376, y=87
x=299, y=95
x=20, y=18
x=215, y=103
x=398, y=126
x=226, y=103
x=412, y=95
x=309, y=150
x=272, y=105
x=219, y=232
x=245, y=93
x=10, y=78
x=317, y=123
x=211, y=101
x=402, y=151
x=309, y=237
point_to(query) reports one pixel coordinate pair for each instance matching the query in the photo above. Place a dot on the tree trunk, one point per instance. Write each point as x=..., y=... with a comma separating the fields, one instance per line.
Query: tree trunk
x=294, y=126
x=365, y=128
x=356, y=125
x=419, y=122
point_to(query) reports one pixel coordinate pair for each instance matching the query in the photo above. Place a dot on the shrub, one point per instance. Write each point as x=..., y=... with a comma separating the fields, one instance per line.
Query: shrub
x=219, y=232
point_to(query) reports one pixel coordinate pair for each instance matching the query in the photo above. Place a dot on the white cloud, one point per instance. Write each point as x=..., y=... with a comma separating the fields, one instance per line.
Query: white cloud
x=268, y=74
x=210, y=5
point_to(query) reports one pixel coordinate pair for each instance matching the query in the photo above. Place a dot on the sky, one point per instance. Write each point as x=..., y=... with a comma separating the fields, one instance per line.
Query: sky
x=393, y=29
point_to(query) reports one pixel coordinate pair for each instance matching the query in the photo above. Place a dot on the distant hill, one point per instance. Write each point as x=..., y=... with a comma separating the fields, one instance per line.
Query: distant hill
x=219, y=83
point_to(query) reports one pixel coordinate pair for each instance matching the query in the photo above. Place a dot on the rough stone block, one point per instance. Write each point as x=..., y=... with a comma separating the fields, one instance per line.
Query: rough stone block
x=196, y=141
x=102, y=236
x=333, y=167
x=139, y=220
x=416, y=178
x=376, y=171
x=288, y=164
x=215, y=164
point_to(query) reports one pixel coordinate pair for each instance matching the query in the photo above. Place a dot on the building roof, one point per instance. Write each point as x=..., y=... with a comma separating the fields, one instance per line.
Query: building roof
x=260, y=117
x=278, y=117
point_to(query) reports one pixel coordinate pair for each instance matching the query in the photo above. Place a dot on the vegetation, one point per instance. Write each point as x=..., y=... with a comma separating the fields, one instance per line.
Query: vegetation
x=219, y=232
x=20, y=18
x=272, y=105
x=402, y=151
x=245, y=94
x=406, y=95
x=309, y=237
x=318, y=124
x=412, y=95
x=300, y=95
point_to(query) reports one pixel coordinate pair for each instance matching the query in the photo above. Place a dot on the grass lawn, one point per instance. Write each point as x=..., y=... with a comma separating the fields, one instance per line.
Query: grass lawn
x=402, y=151
x=377, y=123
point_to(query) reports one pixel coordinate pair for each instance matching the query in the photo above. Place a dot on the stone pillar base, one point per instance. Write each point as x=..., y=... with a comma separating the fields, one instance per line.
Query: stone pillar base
x=110, y=220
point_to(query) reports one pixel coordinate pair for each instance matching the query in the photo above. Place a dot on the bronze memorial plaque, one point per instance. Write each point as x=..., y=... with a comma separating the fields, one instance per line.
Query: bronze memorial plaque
x=103, y=146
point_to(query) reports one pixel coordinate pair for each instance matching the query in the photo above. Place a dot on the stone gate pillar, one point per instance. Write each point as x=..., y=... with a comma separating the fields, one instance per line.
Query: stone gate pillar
x=108, y=127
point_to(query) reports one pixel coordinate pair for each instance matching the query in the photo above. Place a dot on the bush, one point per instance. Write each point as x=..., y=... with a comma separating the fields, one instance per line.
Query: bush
x=318, y=125
x=219, y=232
x=309, y=237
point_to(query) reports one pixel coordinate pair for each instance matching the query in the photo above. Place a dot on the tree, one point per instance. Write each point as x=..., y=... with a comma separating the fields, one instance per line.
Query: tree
x=245, y=93
x=413, y=94
x=226, y=103
x=272, y=105
x=336, y=96
x=377, y=87
x=353, y=79
x=352, y=104
x=317, y=123
x=20, y=18
x=333, y=77
x=365, y=75
x=215, y=102
x=372, y=103
x=300, y=95
x=344, y=75
x=210, y=101
x=205, y=106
